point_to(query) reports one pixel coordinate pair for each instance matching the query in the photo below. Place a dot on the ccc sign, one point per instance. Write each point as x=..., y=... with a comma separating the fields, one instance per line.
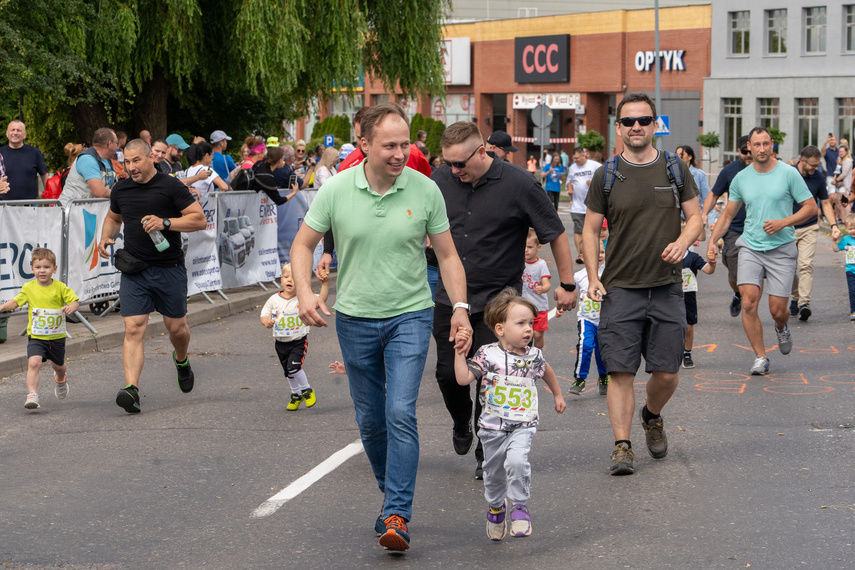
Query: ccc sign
x=542, y=59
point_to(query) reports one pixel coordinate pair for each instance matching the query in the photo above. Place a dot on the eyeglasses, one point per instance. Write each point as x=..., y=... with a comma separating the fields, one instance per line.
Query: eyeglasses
x=744, y=151
x=630, y=121
x=301, y=150
x=459, y=164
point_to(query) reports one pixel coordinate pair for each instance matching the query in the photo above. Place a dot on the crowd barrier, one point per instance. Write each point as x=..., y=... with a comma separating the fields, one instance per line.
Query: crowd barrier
x=246, y=239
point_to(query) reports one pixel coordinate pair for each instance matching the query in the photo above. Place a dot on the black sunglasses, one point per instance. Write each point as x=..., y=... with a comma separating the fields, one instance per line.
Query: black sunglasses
x=459, y=164
x=630, y=121
x=744, y=151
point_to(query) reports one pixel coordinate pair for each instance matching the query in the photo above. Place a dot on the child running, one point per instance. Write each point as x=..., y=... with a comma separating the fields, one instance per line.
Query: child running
x=281, y=313
x=507, y=371
x=535, y=286
x=847, y=244
x=588, y=322
x=692, y=262
x=49, y=302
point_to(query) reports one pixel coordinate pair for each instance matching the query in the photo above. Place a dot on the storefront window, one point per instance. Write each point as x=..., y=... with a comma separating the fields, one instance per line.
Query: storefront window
x=457, y=107
x=732, y=126
x=808, y=109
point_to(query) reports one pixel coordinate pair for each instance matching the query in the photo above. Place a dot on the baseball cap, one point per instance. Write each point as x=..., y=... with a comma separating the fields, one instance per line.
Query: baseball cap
x=502, y=140
x=217, y=136
x=177, y=141
x=743, y=142
x=719, y=201
x=345, y=151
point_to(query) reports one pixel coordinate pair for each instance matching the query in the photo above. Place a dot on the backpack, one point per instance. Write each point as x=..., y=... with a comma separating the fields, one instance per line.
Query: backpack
x=253, y=179
x=675, y=176
x=55, y=184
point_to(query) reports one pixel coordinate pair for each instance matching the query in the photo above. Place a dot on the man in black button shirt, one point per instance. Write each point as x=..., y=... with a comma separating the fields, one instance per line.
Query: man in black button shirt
x=151, y=201
x=491, y=205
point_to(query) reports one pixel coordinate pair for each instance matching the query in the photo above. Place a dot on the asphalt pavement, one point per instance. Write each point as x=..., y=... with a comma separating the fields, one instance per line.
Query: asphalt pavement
x=759, y=472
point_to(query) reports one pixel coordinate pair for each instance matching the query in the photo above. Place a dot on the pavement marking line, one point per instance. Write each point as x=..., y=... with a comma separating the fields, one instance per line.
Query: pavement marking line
x=272, y=504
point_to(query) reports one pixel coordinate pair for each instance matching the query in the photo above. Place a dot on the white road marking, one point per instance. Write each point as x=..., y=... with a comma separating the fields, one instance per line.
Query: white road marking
x=272, y=504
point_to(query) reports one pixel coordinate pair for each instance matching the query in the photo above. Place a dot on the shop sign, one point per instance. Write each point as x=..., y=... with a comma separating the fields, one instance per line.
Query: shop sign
x=671, y=60
x=456, y=61
x=553, y=100
x=542, y=59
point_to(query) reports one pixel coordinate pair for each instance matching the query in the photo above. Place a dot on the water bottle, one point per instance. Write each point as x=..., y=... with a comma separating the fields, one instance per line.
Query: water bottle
x=160, y=242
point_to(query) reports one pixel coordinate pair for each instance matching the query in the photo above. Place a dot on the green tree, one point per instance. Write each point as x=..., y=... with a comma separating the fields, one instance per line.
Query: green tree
x=434, y=135
x=592, y=140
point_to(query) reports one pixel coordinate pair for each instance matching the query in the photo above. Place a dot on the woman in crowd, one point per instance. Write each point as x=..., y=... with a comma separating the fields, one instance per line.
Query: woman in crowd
x=687, y=153
x=843, y=181
x=257, y=148
x=326, y=166
x=264, y=180
x=204, y=158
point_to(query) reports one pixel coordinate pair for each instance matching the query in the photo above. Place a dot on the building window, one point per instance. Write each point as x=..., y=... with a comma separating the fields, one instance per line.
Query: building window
x=732, y=126
x=808, y=121
x=380, y=98
x=769, y=112
x=815, y=30
x=849, y=30
x=739, y=33
x=776, y=31
x=846, y=112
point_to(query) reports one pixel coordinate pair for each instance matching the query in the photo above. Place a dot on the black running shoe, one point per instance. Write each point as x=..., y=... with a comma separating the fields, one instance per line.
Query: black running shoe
x=185, y=374
x=735, y=305
x=462, y=438
x=128, y=399
x=479, y=471
x=687, y=360
x=804, y=312
x=794, y=309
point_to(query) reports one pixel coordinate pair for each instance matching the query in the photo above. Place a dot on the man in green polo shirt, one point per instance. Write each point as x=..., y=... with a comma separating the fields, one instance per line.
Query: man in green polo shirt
x=381, y=212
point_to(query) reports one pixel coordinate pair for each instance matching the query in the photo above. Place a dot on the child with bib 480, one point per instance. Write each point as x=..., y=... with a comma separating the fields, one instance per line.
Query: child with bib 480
x=49, y=302
x=281, y=313
x=507, y=371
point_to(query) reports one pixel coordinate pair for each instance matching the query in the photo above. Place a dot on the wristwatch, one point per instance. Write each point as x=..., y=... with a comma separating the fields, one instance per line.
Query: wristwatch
x=568, y=287
x=462, y=305
x=166, y=223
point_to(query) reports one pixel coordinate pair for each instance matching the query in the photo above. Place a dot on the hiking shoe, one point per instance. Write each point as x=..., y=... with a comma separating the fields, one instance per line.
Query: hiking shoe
x=603, y=384
x=60, y=389
x=735, y=305
x=622, y=459
x=462, y=438
x=761, y=366
x=128, y=399
x=577, y=387
x=32, y=402
x=794, y=309
x=804, y=312
x=785, y=341
x=395, y=535
x=479, y=471
x=294, y=403
x=497, y=526
x=654, y=433
x=520, y=521
x=185, y=374
x=309, y=397
x=687, y=360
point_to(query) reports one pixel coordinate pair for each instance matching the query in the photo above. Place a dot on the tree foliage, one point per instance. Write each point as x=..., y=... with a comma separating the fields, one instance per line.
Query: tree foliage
x=592, y=140
x=709, y=140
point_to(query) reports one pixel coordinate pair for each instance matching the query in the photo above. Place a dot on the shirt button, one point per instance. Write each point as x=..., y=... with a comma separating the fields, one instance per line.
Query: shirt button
x=465, y=235
x=468, y=213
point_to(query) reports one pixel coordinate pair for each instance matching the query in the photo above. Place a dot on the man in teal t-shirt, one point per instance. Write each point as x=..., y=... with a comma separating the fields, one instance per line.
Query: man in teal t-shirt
x=767, y=248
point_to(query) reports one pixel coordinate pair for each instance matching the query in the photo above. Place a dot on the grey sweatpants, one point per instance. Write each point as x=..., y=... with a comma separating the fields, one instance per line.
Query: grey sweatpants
x=507, y=472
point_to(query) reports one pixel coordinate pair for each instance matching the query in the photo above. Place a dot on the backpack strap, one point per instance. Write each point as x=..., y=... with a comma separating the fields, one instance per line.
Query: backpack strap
x=675, y=176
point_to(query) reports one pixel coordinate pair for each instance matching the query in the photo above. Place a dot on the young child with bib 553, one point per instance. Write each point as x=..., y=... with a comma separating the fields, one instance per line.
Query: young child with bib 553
x=507, y=371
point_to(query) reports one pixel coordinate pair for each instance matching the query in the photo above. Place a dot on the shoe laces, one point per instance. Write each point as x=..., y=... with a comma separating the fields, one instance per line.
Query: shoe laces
x=396, y=522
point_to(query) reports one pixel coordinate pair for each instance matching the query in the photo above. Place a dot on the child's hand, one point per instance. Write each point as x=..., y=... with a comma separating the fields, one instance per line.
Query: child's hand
x=461, y=336
x=323, y=275
x=337, y=367
x=538, y=289
x=67, y=310
x=558, y=312
x=269, y=324
x=560, y=404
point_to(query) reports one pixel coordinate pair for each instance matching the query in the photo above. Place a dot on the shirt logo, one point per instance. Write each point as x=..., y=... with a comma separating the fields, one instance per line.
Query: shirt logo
x=409, y=213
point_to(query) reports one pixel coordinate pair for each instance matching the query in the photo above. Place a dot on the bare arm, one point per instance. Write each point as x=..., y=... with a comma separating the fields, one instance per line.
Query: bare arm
x=301, y=270
x=721, y=227
x=564, y=261
x=462, y=374
x=109, y=231
x=828, y=211
x=591, y=254
x=675, y=251
x=555, y=388
x=454, y=279
x=9, y=305
x=221, y=184
x=807, y=211
x=192, y=220
x=96, y=185
x=325, y=290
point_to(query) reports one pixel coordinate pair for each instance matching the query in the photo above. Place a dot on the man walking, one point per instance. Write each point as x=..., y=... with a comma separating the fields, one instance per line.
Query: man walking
x=147, y=202
x=579, y=176
x=642, y=312
x=381, y=212
x=491, y=205
x=766, y=248
x=24, y=164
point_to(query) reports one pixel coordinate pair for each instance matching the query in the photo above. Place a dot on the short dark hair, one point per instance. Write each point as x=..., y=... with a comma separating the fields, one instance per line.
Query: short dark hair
x=579, y=150
x=274, y=153
x=496, y=310
x=357, y=118
x=757, y=131
x=810, y=151
x=460, y=132
x=140, y=144
x=375, y=115
x=742, y=142
x=636, y=98
x=103, y=136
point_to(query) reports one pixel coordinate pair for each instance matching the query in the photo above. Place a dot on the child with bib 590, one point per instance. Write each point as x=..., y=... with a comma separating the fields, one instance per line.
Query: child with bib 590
x=49, y=302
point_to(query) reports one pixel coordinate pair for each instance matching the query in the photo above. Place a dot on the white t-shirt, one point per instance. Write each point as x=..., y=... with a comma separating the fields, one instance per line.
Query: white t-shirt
x=206, y=185
x=277, y=307
x=533, y=276
x=577, y=179
x=584, y=305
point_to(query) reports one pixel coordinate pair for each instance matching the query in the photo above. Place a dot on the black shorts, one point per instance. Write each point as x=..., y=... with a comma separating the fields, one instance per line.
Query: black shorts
x=161, y=289
x=649, y=322
x=291, y=354
x=691, y=308
x=53, y=350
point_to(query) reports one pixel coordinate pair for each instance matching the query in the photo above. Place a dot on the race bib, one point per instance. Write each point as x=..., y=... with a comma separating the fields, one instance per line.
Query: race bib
x=849, y=252
x=690, y=281
x=589, y=309
x=288, y=325
x=511, y=398
x=47, y=322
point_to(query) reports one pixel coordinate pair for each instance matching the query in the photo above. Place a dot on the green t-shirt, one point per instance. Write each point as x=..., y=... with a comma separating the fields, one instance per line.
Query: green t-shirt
x=54, y=296
x=382, y=270
x=768, y=196
x=643, y=219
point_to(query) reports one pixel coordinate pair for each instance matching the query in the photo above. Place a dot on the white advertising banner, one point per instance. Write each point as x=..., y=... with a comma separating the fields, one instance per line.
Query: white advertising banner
x=22, y=229
x=200, y=252
x=89, y=275
x=247, y=238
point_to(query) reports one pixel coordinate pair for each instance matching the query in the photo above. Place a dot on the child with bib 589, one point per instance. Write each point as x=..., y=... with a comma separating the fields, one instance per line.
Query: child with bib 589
x=507, y=371
x=281, y=313
x=50, y=302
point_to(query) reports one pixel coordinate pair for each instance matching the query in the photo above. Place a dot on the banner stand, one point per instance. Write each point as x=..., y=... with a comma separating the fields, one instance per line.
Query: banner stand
x=206, y=297
x=223, y=295
x=260, y=284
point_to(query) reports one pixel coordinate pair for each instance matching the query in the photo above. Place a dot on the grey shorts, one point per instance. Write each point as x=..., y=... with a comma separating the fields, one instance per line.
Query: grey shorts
x=578, y=222
x=777, y=266
x=730, y=254
x=647, y=322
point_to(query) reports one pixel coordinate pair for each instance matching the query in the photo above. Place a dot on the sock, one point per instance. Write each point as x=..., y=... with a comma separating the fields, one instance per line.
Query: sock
x=647, y=416
x=497, y=510
x=131, y=387
x=738, y=295
x=685, y=352
x=626, y=441
x=185, y=362
x=298, y=382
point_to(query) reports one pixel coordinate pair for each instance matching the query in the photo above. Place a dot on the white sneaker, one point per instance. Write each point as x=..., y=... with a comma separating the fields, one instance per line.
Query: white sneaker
x=60, y=389
x=761, y=366
x=32, y=401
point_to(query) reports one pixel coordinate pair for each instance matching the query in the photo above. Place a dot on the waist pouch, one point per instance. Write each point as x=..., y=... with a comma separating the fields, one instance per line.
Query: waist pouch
x=127, y=263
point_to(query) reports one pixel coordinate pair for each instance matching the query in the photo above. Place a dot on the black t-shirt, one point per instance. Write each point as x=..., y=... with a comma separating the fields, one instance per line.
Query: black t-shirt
x=489, y=225
x=163, y=196
x=283, y=175
x=722, y=185
x=23, y=165
x=816, y=184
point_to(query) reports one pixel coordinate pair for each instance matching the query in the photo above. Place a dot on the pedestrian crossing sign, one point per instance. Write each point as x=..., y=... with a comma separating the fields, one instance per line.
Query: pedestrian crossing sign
x=663, y=126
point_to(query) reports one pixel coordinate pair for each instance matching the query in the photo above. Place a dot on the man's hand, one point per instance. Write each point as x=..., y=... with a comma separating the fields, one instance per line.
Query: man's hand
x=773, y=226
x=835, y=232
x=460, y=320
x=596, y=291
x=4, y=185
x=102, y=247
x=566, y=299
x=310, y=305
x=673, y=253
x=322, y=271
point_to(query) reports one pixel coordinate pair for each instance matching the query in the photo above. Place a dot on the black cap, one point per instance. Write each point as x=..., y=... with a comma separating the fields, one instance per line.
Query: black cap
x=502, y=140
x=742, y=142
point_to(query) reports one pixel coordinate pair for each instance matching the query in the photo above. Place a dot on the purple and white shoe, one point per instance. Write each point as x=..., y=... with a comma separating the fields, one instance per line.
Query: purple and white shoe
x=520, y=521
x=497, y=523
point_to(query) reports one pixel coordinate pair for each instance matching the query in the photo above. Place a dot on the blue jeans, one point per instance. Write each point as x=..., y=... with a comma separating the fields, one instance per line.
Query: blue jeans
x=433, y=280
x=385, y=360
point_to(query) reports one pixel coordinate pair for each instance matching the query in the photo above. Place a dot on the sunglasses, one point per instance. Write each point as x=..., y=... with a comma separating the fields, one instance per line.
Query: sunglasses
x=459, y=164
x=630, y=121
x=301, y=150
x=744, y=151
